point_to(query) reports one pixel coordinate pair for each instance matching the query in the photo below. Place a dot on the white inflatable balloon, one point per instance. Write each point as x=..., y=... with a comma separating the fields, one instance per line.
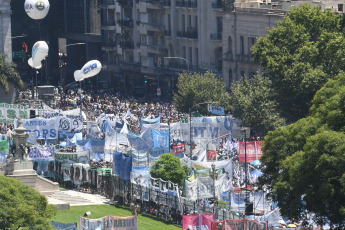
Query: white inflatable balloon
x=36, y=9
x=39, y=52
x=90, y=69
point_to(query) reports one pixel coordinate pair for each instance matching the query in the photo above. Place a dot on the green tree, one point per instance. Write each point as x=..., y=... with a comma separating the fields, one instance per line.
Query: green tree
x=198, y=88
x=253, y=102
x=169, y=167
x=305, y=161
x=9, y=74
x=22, y=207
x=300, y=55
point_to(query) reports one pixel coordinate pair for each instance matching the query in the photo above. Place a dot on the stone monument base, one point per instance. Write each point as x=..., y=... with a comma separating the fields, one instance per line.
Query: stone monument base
x=22, y=170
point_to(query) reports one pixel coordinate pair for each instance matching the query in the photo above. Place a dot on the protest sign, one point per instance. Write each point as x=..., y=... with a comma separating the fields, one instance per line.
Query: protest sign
x=37, y=153
x=179, y=148
x=252, y=149
x=43, y=128
x=8, y=112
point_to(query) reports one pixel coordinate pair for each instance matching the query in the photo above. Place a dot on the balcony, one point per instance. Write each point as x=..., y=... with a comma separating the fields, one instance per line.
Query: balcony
x=128, y=23
x=126, y=44
x=151, y=26
x=130, y=66
x=191, y=34
x=217, y=5
x=108, y=23
x=109, y=43
x=186, y=3
x=125, y=3
x=108, y=2
x=216, y=36
x=154, y=4
x=245, y=58
x=228, y=56
x=157, y=48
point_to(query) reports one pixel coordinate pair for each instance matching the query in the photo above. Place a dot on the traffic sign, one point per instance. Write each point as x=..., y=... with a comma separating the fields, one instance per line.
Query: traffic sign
x=18, y=54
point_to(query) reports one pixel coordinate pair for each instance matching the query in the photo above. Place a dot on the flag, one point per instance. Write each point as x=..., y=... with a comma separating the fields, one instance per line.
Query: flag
x=71, y=142
x=87, y=146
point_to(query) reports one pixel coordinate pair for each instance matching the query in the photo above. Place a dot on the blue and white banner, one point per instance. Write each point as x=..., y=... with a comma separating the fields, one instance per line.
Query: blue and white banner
x=216, y=110
x=160, y=139
x=37, y=153
x=42, y=128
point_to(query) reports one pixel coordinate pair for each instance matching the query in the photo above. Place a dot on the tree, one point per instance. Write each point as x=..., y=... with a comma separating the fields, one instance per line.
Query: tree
x=169, y=167
x=9, y=74
x=253, y=102
x=305, y=162
x=300, y=55
x=23, y=207
x=197, y=88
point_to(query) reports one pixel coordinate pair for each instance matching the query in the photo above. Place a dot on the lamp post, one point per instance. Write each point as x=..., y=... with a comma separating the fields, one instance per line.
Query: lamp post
x=190, y=123
x=214, y=176
x=61, y=63
x=179, y=58
x=244, y=131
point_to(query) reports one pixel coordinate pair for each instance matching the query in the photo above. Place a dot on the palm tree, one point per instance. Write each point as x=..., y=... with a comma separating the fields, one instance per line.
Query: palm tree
x=9, y=74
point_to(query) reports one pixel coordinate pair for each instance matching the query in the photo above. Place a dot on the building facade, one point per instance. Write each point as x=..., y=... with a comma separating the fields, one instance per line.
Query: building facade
x=249, y=21
x=153, y=41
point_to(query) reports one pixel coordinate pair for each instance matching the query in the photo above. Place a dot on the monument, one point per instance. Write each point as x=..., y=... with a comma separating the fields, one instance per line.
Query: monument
x=20, y=166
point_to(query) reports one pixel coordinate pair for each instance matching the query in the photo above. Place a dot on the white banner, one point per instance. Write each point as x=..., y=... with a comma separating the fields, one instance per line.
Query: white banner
x=70, y=121
x=10, y=111
x=92, y=130
x=43, y=128
x=202, y=187
x=114, y=140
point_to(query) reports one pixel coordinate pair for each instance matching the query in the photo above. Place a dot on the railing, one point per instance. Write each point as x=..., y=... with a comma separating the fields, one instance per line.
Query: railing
x=216, y=36
x=158, y=3
x=183, y=34
x=108, y=2
x=128, y=3
x=109, y=23
x=244, y=58
x=126, y=23
x=184, y=3
x=127, y=44
x=109, y=43
x=217, y=5
x=158, y=47
x=228, y=56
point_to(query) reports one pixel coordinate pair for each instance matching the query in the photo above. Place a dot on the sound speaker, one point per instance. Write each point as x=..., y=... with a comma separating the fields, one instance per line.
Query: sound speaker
x=249, y=208
x=32, y=114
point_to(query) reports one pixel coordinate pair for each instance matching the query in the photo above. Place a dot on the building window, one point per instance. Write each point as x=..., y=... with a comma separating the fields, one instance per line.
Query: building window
x=183, y=23
x=184, y=51
x=241, y=45
x=251, y=42
x=190, y=55
x=242, y=74
x=340, y=7
x=230, y=44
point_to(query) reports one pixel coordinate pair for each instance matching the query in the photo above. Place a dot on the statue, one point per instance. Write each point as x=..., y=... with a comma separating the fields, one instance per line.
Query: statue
x=23, y=152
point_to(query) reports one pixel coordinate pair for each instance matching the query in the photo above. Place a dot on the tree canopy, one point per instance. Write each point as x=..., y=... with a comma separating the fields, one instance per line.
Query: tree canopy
x=305, y=161
x=299, y=56
x=9, y=74
x=252, y=102
x=199, y=88
x=23, y=207
x=169, y=167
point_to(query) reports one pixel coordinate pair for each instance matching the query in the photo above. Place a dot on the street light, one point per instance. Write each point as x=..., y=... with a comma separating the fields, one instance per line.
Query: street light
x=61, y=63
x=214, y=175
x=179, y=58
x=190, y=123
x=245, y=130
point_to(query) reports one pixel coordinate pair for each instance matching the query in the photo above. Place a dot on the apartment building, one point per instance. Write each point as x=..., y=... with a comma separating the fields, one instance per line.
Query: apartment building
x=250, y=20
x=153, y=41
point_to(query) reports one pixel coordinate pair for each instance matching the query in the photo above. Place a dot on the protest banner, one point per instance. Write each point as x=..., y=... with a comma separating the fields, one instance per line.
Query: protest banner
x=109, y=223
x=179, y=148
x=37, y=153
x=8, y=112
x=240, y=224
x=160, y=139
x=252, y=150
x=92, y=224
x=43, y=128
x=193, y=221
x=72, y=157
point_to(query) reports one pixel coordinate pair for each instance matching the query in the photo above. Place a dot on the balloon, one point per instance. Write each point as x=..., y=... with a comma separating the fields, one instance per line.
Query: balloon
x=36, y=9
x=39, y=52
x=90, y=69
